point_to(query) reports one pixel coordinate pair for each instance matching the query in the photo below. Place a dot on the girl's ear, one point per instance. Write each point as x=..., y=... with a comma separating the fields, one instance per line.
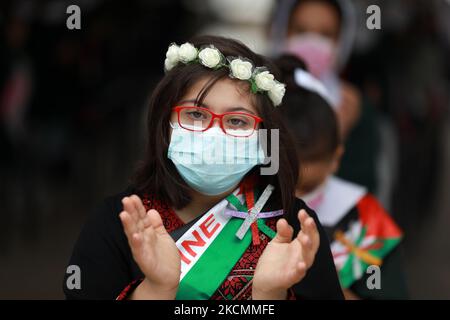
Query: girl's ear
x=336, y=162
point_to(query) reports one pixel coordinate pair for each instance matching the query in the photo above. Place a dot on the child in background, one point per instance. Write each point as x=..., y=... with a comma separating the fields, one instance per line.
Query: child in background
x=321, y=33
x=360, y=231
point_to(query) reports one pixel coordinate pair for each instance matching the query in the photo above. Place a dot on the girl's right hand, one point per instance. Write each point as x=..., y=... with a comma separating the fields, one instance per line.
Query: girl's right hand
x=153, y=250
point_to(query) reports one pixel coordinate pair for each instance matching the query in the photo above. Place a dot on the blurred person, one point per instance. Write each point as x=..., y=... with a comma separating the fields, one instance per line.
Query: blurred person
x=321, y=32
x=361, y=232
x=406, y=75
x=127, y=249
x=243, y=20
x=16, y=87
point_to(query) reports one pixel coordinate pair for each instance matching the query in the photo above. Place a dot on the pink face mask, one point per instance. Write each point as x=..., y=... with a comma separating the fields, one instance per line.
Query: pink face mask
x=317, y=51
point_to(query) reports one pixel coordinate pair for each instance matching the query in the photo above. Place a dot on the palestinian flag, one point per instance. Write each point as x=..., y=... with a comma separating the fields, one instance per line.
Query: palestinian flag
x=362, y=238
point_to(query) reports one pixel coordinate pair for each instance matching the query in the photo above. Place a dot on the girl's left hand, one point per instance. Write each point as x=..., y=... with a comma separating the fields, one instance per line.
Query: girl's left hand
x=285, y=261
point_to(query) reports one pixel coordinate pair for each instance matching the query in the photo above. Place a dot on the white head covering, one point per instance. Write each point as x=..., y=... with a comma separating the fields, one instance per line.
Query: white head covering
x=346, y=34
x=307, y=81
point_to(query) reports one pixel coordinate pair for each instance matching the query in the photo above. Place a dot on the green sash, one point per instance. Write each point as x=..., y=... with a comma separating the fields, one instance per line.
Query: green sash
x=217, y=254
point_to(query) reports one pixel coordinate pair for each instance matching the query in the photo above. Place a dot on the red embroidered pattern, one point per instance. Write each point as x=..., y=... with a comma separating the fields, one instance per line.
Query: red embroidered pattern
x=129, y=289
x=237, y=285
x=170, y=220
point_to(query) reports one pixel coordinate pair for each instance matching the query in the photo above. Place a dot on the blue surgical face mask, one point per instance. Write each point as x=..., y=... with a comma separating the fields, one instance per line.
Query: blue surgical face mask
x=213, y=162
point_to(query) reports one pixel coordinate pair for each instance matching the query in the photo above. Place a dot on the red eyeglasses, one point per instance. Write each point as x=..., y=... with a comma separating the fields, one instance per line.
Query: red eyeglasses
x=237, y=124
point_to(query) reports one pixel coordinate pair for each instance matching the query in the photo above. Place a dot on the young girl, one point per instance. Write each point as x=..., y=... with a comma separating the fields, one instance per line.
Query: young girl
x=362, y=234
x=194, y=229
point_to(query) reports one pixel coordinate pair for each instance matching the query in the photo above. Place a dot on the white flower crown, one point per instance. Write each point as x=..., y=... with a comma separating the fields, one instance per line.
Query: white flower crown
x=260, y=78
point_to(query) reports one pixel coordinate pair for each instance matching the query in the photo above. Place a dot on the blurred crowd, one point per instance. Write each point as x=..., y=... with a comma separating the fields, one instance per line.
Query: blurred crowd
x=72, y=102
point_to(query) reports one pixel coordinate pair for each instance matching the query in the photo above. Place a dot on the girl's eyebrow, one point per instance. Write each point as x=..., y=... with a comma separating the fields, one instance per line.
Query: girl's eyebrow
x=195, y=102
x=239, y=108
x=204, y=105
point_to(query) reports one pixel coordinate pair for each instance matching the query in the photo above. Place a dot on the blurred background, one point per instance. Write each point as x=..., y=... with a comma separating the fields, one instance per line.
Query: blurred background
x=73, y=105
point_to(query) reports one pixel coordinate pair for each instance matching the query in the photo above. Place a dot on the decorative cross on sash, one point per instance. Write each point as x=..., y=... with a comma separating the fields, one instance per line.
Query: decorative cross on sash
x=254, y=215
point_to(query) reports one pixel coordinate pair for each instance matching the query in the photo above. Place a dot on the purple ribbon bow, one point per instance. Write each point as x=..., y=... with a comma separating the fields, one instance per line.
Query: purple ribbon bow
x=243, y=215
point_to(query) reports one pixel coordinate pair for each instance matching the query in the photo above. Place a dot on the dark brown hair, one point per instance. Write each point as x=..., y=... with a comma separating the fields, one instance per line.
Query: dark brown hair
x=308, y=115
x=158, y=175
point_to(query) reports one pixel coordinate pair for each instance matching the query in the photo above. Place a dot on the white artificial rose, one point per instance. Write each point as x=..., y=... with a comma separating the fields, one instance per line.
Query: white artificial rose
x=187, y=52
x=172, y=54
x=265, y=80
x=168, y=65
x=210, y=57
x=276, y=93
x=241, y=69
